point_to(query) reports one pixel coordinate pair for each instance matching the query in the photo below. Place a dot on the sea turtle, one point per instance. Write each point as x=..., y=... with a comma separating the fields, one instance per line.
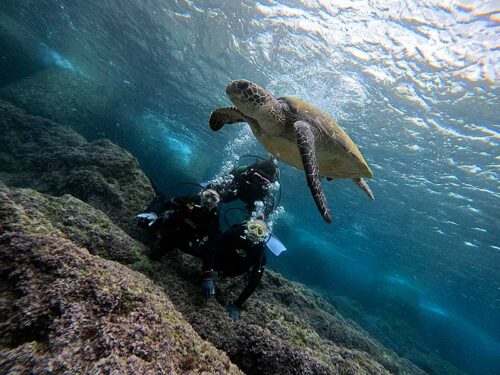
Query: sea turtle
x=297, y=133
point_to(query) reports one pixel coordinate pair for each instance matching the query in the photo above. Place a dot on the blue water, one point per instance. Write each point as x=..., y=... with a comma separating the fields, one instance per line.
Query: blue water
x=415, y=85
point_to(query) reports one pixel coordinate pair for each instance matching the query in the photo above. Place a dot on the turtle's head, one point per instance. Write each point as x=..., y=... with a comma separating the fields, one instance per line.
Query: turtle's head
x=248, y=97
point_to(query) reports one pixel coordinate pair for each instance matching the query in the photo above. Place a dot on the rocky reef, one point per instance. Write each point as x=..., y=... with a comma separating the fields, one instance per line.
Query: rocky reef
x=79, y=295
x=285, y=328
x=54, y=159
x=65, y=310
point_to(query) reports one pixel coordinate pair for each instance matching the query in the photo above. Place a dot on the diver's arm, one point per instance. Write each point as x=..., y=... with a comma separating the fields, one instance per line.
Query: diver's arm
x=160, y=204
x=149, y=218
x=207, y=252
x=209, y=249
x=173, y=204
x=207, y=270
x=228, y=188
x=157, y=205
x=238, y=177
x=177, y=202
x=158, y=211
x=214, y=247
x=254, y=280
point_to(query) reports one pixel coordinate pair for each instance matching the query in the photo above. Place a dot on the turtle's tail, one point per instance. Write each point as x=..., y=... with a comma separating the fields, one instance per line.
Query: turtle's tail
x=363, y=186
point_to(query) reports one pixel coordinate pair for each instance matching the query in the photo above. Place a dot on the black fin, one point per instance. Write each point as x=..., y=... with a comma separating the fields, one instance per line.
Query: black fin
x=305, y=142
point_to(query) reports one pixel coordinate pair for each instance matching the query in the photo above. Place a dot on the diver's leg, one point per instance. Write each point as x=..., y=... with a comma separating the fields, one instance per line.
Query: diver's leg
x=157, y=251
x=162, y=244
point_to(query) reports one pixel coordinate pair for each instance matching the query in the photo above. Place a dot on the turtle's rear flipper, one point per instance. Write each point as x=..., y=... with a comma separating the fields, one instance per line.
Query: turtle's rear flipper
x=363, y=186
x=305, y=141
x=225, y=116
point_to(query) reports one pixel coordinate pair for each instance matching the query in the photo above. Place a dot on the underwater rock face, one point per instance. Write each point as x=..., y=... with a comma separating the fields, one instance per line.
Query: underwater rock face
x=64, y=310
x=51, y=158
x=70, y=218
x=282, y=330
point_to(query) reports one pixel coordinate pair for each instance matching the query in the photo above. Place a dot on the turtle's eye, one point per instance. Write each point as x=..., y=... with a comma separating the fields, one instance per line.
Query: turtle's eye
x=242, y=85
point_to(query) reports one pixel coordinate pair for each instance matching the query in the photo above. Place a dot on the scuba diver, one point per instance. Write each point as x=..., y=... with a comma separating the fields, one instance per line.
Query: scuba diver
x=187, y=223
x=191, y=224
x=239, y=250
x=250, y=184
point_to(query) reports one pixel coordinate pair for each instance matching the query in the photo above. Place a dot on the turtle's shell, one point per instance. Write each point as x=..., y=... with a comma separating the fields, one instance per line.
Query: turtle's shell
x=337, y=154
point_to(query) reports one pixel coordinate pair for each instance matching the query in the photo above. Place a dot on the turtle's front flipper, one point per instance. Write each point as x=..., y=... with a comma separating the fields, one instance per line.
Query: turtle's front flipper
x=363, y=186
x=305, y=141
x=225, y=116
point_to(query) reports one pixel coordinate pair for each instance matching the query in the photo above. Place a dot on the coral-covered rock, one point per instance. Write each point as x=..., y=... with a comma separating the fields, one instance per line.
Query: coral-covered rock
x=285, y=328
x=52, y=158
x=64, y=310
x=70, y=218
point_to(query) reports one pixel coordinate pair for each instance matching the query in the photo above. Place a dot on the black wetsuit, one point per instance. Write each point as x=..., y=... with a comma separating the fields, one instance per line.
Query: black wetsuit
x=184, y=224
x=234, y=255
x=249, y=185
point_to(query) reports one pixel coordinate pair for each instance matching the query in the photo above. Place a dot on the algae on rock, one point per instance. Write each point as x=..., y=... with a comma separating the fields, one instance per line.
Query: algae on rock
x=64, y=310
x=70, y=218
x=299, y=334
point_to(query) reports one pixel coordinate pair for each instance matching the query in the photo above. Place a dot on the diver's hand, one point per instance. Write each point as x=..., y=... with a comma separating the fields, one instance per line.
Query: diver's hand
x=147, y=219
x=233, y=311
x=207, y=288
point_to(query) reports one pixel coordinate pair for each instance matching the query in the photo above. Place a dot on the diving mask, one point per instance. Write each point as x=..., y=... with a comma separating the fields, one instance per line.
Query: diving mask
x=256, y=230
x=210, y=198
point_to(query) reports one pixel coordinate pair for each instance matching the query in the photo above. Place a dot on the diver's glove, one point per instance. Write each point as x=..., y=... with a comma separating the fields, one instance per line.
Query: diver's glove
x=233, y=311
x=208, y=288
x=147, y=219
